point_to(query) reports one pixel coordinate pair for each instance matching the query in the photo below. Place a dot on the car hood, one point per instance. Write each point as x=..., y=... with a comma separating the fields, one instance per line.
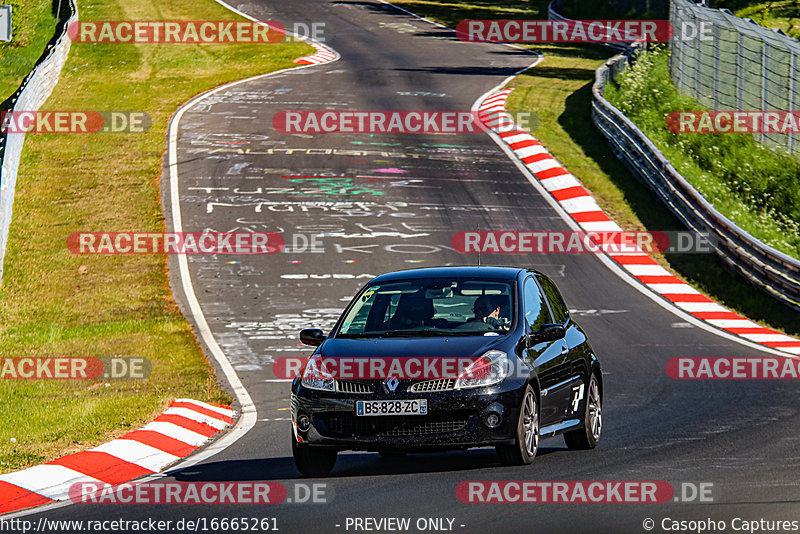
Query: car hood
x=453, y=347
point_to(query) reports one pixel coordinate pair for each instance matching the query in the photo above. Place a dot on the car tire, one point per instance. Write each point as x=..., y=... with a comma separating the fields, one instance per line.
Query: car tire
x=524, y=449
x=312, y=462
x=588, y=436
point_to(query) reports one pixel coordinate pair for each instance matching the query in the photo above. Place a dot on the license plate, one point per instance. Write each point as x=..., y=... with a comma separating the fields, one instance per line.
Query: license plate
x=395, y=407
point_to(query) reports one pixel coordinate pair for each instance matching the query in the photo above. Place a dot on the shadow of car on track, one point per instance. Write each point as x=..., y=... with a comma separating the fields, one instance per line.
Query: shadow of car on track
x=352, y=465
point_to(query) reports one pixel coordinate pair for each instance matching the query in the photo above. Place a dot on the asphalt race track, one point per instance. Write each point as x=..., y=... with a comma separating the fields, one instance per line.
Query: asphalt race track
x=396, y=203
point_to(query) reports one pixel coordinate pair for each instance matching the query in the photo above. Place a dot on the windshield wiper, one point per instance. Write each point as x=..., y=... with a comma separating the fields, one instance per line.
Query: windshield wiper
x=422, y=333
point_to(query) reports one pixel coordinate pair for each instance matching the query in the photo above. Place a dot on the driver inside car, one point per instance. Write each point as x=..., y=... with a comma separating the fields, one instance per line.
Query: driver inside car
x=487, y=310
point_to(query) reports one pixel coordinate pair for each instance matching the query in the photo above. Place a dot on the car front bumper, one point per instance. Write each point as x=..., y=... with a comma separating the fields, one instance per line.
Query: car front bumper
x=455, y=419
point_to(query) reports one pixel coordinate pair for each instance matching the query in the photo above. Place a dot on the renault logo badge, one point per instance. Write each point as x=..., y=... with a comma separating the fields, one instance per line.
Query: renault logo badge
x=392, y=383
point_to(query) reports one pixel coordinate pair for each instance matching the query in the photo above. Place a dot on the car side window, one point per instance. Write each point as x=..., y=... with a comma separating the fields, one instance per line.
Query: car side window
x=536, y=312
x=560, y=310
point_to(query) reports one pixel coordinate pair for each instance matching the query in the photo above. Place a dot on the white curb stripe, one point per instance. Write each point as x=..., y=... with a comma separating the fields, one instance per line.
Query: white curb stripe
x=560, y=182
x=579, y=204
x=601, y=226
x=174, y=431
x=544, y=165
x=532, y=150
x=647, y=270
x=701, y=307
x=136, y=452
x=674, y=289
x=768, y=337
x=197, y=416
x=221, y=411
x=51, y=481
x=518, y=138
x=733, y=323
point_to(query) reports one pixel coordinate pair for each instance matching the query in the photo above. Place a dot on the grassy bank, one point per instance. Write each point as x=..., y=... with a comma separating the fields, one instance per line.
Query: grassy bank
x=54, y=303
x=558, y=90
x=749, y=183
x=34, y=24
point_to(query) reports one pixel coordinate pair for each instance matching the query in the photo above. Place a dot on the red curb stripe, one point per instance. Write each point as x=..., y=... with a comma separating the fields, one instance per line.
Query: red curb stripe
x=525, y=143
x=501, y=96
x=194, y=426
x=551, y=173
x=590, y=216
x=536, y=157
x=665, y=279
x=782, y=343
x=692, y=297
x=161, y=442
x=569, y=192
x=717, y=315
x=201, y=410
x=102, y=466
x=512, y=133
x=14, y=498
x=751, y=330
x=487, y=116
x=634, y=260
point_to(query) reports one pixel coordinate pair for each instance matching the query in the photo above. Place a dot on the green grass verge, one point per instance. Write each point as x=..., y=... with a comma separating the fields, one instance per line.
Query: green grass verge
x=558, y=90
x=752, y=185
x=56, y=304
x=783, y=14
x=33, y=25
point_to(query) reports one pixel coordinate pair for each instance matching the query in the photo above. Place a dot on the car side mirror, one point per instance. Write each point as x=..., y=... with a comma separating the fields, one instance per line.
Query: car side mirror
x=547, y=332
x=312, y=336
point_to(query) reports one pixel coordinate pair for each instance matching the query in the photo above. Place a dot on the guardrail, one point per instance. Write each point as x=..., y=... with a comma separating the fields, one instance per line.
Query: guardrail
x=773, y=271
x=31, y=95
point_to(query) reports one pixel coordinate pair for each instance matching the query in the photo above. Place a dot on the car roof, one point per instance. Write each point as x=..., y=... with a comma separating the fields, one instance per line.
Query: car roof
x=464, y=271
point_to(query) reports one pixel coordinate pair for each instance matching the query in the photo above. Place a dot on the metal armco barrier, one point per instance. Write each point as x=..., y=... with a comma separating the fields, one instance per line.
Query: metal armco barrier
x=30, y=97
x=773, y=271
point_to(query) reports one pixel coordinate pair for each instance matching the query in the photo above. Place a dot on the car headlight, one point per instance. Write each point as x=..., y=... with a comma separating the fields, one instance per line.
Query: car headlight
x=315, y=376
x=487, y=370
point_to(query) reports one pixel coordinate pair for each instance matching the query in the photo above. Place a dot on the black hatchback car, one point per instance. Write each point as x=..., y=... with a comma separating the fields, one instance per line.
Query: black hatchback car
x=447, y=358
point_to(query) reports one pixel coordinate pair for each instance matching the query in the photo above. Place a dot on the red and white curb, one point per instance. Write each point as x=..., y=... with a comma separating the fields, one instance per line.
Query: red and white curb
x=567, y=190
x=323, y=54
x=182, y=429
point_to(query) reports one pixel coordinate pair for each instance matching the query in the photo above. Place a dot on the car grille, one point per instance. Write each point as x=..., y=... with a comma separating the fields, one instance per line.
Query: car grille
x=350, y=425
x=348, y=386
x=442, y=384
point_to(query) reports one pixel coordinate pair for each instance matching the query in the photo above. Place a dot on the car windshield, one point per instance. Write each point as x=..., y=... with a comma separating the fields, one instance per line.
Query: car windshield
x=431, y=307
